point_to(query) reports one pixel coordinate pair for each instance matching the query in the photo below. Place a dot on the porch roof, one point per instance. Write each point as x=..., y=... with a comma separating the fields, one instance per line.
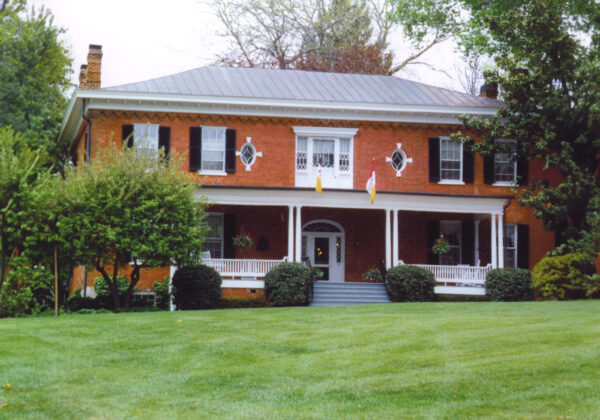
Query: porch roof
x=355, y=199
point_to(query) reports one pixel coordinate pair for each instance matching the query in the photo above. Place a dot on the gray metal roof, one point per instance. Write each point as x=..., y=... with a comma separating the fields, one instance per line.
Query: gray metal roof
x=297, y=85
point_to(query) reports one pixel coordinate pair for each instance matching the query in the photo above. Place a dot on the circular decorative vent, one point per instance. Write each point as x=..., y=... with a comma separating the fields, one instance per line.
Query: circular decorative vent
x=248, y=154
x=398, y=160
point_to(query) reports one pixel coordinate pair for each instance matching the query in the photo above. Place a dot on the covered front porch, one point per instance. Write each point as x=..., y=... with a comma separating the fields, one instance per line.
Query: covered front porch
x=343, y=235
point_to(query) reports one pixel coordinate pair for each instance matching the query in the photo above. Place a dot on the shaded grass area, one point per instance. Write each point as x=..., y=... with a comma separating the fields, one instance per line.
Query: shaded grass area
x=416, y=360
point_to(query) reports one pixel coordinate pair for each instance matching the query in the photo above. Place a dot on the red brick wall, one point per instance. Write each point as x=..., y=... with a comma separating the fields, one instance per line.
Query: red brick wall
x=275, y=138
x=147, y=277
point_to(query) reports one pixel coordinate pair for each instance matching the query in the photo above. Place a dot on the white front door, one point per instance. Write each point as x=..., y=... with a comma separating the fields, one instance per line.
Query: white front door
x=326, y=252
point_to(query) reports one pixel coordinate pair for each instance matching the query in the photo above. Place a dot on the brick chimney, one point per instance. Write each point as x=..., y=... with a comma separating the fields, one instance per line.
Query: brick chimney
x=489, y=91
x=89, y=75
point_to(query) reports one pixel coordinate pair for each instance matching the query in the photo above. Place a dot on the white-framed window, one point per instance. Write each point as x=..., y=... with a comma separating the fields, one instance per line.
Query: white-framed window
x=451, y=162
x=248, y=154
x=213, y=242
x=510, y=245
x=451, y=230
x=145, y=138
x=213, y=149
x=327, y=151
x=505, y=165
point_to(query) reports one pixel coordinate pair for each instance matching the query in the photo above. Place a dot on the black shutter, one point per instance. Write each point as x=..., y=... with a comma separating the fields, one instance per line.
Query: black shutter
x=523, y=171
x=229, y=230
x=433, y=234
x=195, y=149
x=127, y=135
x=488, y=169
x=468, y=164
x=164, y=139
x=523, y=246
x=230, y=151
x=434, y=159
x=468, y=243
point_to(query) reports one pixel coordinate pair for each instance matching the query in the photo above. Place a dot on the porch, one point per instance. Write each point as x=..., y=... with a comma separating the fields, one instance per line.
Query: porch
x=343, y=235
x=451, y=280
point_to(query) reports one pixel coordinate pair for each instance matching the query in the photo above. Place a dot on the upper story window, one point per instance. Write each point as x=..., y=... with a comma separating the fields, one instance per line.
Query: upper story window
x=212, y=150
x=505, y=164
x=450, y=162
x=146, y=138
x=325, y=150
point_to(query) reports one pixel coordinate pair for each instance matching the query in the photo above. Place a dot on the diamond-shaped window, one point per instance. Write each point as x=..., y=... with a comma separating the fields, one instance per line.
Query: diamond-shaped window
x=248, y=154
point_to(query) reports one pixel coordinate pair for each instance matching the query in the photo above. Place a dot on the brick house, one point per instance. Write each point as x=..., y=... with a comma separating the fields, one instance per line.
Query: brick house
x=258, y=138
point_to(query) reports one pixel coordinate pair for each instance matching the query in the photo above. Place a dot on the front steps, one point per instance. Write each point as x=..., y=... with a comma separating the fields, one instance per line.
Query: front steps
x=332, y=294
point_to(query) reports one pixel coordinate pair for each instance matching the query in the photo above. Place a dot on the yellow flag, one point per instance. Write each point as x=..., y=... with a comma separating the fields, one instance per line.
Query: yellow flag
x=318, y=187
x=371, y=183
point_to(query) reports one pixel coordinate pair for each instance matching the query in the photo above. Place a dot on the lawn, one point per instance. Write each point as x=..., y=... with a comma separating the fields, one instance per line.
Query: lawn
x=418, y=360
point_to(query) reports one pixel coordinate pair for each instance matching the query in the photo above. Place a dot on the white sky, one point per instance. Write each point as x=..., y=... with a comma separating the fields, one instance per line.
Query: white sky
x=144, y=39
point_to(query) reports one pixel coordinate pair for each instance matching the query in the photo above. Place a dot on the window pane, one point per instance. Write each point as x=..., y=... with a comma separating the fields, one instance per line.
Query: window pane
x=213, y=148
x=452, y=233
x=145, y=137
x=214, y=237
x=323, y=153
x=510, y=245
x=301, y=145
x=344, y=145
x=450, y=159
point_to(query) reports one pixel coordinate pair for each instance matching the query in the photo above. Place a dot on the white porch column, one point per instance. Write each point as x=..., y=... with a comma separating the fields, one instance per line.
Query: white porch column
x=396, y=252
x=388, y=240
x=500, y=241
x=494, y=243
x=476, y=262
x=298, y=234
x=290, y=233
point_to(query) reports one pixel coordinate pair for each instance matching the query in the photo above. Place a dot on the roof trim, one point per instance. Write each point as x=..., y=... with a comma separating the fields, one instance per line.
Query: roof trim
x=154, y=102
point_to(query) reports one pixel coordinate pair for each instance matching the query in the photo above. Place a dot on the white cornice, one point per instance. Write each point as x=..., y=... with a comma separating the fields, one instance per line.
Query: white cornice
x=324, y=131
x=353, y=200
x=152, y=102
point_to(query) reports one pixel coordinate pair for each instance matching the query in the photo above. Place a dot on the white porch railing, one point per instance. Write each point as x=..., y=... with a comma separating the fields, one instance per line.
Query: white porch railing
x=242, y=268
x=458, y=280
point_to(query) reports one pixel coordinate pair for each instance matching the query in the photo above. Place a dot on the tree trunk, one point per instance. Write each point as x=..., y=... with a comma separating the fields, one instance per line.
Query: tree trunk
x=134, y=277
x=112, y=285
x=56, y=280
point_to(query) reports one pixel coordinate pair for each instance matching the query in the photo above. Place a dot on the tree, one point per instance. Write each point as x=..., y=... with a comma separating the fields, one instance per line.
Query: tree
x=323, y=35
x=34, y=77
x=130, y=208
x=547, y=62
x=19, y=167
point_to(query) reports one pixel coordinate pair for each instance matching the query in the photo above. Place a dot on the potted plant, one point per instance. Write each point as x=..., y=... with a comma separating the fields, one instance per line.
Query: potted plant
x=372, y=274
x=441, y=246
x=242, y=241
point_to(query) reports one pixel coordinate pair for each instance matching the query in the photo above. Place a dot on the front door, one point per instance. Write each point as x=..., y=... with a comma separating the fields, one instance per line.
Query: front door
x=326, y=251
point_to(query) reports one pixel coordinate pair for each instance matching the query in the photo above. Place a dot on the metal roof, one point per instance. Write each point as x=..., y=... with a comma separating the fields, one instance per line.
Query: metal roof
x=298, y=85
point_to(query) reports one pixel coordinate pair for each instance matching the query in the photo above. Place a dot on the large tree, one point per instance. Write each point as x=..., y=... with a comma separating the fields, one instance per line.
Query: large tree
x=547, y=64
x=130, y=208
x=34, y=76
x=325, y=35
x=19, y=168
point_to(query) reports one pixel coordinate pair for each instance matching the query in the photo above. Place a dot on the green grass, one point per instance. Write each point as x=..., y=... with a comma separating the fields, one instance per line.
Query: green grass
x=429, y=360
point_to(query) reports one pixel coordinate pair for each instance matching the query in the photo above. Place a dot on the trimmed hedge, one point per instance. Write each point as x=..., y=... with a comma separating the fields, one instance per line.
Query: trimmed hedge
x=509, y=284
x=408, y=283
x=288, y=284
x=196, y=287
x=236, y=303
x=162, y=297
x=562, y=277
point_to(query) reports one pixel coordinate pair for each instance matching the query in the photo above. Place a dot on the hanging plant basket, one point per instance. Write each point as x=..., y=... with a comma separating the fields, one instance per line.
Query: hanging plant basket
x=242, y=241
x=441, y=246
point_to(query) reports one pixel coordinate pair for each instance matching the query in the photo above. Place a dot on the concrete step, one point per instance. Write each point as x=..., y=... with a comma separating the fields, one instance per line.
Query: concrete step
x=329, y=294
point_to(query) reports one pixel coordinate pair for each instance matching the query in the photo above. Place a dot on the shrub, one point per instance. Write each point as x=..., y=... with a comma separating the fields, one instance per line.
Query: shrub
x=232, y=303
x=562, y=277
x=162, y=297
x=288, y=284
x=101, y=287
x=196, y=287
x=15, y=299
x=76, y=302
x=407, y=283
x=509, y=284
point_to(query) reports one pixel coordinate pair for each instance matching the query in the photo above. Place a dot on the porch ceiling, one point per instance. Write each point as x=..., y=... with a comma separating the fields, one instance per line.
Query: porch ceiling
x=354, y=199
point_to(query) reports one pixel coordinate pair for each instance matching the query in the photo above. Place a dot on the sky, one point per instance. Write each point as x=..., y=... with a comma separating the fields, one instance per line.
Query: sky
x=144, y=39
